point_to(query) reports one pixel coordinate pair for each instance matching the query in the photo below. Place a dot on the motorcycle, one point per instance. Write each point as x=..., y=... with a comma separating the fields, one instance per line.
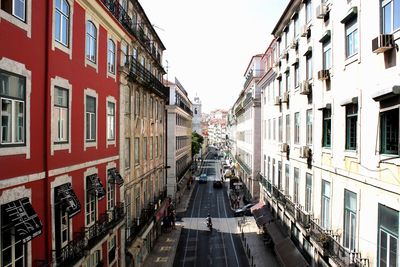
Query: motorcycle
x=209, y=225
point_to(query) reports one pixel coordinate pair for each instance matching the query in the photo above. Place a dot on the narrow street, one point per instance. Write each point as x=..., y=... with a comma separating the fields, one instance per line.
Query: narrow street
x=197, y=245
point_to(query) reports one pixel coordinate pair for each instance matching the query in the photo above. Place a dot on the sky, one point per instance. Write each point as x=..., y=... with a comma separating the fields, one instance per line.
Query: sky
x=210, y=43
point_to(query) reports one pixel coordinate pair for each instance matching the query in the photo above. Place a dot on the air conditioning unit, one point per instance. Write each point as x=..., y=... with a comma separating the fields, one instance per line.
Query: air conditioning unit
x=304, y=30
x=284, y=147
x=305, y=88
x=303, y=152
x=277, y=101
x=382, y=43
x=285, y=97
x=323, y=75
x=321, y=11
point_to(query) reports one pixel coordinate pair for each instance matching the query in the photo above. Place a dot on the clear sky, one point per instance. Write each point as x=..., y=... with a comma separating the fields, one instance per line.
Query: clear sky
x=210, y=42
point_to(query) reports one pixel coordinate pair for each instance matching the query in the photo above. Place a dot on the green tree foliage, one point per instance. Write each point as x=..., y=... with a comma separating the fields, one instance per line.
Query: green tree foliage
x=197, y=141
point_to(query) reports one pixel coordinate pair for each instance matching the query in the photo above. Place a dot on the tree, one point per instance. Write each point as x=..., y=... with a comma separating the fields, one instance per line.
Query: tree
x=197, y=141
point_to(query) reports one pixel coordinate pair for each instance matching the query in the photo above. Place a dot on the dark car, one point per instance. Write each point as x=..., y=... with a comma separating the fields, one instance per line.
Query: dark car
x=203, y=178
x=245, y=210
x=217, y=184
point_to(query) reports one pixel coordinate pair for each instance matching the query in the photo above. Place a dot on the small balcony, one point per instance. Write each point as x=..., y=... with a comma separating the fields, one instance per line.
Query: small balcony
x=88, y=238
x=140, y=74
x=303, y=218
x=243, y=165
x=321, y=237
x=290, y=207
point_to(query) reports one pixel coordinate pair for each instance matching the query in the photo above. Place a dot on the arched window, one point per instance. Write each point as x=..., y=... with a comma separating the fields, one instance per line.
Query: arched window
x=111, y=56
x=62, y=14
x=91, y=41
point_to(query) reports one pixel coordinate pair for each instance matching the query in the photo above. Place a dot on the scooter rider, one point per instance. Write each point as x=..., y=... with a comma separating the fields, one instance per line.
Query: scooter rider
x=208, y=219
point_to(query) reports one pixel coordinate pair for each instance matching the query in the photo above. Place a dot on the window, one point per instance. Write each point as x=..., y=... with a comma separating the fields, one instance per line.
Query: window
x=91, y=203
x=325, y=205
x=287, y=177
x=151, y=147
x=296, y=186
x=93, y=259
x=111, y=56
x=288, y=128
x=273, y=172
x=297, y=128
x=61, y=113
x=309, y=126
x=90, y=119
x=279, y=175
x=269, y=129
x=111, y=249
x=287, y=81
x=309, y=66
x=145, y=149
x=17, y=8
x=296, y=75
x=351, y=38
x=308, y=203
x=12, y=95
x=326, y=56
x=127, y=153
x=295, y=26
x=62, y=14
x=280, y=128
x=137, y=103
x=308, y=11
x=351, y=126
x=280, y=86
x=156, y=149
x=110, y=121
x=389, y=131
x=13, y=250
x=274, y=130
x=268, y=168
x=388, y=236
x=91, y=41
x=110, y=195
x=350, y=217
x=136, y=148
x=390, y=16
x=326, y=127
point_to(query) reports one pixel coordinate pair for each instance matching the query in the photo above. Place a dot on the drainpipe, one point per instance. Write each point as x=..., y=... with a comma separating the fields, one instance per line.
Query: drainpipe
x=46, y=136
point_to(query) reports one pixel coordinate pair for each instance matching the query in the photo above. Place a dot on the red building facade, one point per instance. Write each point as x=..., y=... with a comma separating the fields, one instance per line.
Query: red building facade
x=60, y=188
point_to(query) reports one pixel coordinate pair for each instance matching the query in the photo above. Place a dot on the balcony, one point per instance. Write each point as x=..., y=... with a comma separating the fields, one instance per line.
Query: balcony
x=146, y=217
x=302, y=218
x=132, y=27
x=140, y=74
x=246, y=168
x=290, y=207
x=278, y=195
x=86, y=239
x=269, y=187
x=320, y=236
x=248, y=99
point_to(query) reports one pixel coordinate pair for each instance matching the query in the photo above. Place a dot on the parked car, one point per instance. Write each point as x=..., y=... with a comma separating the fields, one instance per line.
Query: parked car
x=203, y=178
x=245, y=210
x=218, y=184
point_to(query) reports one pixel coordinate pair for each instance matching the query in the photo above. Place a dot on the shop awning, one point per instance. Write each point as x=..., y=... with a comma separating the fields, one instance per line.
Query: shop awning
x=95, y=186
x=66, y=196
x=115, y=177
x=261, y=214
x=21, y=215
x=288, y=255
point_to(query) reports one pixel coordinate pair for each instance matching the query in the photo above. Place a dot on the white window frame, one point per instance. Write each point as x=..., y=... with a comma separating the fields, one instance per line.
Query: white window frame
x=25, y=24
x=327, y=55
x=91, y=93
x=66, y=85
x=297, y=126
x=87, y=173
x=12, y=195
x=88, y=62
x=351, y=32
x=112, y=243
x=17, y=68
x=112, y=74
x=111, y=141
x=384, y=3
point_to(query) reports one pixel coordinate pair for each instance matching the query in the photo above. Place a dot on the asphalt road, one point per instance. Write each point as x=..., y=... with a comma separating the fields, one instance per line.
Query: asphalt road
x=198, y=246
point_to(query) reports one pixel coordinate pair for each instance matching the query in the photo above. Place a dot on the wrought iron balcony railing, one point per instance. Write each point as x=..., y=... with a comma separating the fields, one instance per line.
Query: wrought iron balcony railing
x=321, y=236
x=120, y=14
x=243, y=165
x=303, y=218
x=140, y=74
x=290, y=207
x=87, y=238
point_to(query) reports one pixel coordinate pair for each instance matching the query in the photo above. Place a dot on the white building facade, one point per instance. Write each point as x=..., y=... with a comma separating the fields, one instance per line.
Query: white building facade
x=196, y=108
x=179, y=138
x=330, y=116
x=247, y=117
